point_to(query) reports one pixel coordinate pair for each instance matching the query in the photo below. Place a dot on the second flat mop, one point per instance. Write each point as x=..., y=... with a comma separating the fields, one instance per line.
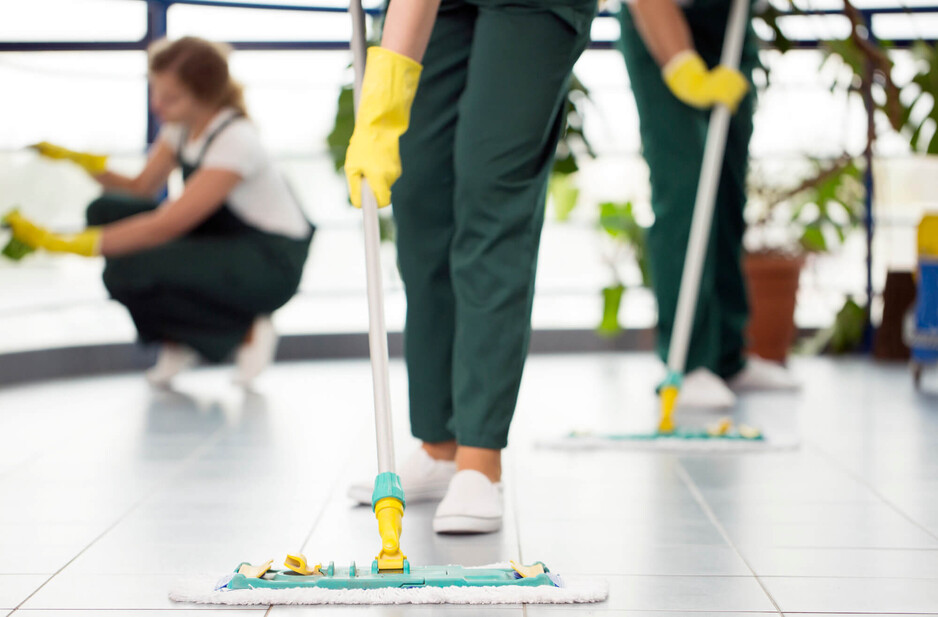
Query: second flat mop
x=390, y=579
x=724, y=435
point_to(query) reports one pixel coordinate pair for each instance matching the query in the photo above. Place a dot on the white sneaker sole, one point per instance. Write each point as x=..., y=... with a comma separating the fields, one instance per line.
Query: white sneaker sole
x=466, y=524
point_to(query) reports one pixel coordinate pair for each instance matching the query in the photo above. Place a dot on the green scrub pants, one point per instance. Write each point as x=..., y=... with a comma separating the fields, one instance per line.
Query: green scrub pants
x=470, y=206
x=673, y=137
x=202, y=290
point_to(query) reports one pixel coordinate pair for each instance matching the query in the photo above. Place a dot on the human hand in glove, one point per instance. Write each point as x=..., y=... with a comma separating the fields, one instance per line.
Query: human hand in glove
x=388, y=90
x=690, y=81
x=86, y=243
x=94, y=164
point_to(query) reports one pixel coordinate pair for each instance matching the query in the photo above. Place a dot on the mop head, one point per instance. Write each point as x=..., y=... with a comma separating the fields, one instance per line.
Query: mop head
x=492, y=584
x=721, y=437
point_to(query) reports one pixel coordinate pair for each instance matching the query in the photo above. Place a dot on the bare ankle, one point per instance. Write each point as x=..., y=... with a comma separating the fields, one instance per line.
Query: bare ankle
x=484, y=460
x=441, y=451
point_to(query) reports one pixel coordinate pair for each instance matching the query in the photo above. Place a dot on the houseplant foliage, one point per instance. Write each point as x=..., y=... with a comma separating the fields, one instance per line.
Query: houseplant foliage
x=627, y=242
x=908, y=108
x=785, y=225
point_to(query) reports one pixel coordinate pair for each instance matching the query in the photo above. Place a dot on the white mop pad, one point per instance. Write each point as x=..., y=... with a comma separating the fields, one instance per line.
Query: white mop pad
x=597, y=441
x=201, y=590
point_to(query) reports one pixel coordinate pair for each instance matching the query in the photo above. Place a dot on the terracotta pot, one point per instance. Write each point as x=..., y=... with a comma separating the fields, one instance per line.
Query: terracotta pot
x=772, y=281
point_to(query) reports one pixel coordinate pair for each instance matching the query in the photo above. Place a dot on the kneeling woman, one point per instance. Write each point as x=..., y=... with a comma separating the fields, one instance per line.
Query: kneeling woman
x=200, y=274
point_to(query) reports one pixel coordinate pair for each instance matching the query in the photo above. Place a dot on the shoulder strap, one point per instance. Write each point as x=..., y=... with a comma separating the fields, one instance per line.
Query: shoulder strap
x=211, y=137
x=208, y=140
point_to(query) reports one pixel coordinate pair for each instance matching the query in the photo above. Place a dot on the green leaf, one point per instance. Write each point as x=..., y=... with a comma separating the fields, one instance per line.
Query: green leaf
x=618, y=221
x=812, y=240
x=342, y=129
x=612, y=301
x=565, y=195
x=849, y=327
x=387, y=228
x=566, y=164
x=565, y=160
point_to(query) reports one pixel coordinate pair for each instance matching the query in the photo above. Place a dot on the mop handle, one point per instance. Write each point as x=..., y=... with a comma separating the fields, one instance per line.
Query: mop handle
x=377, y=331
x=705, y=202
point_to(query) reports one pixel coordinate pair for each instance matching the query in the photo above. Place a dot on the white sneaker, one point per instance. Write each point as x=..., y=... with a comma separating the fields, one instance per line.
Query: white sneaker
x=473, y=504
x=702, y=389
x=423, y=478
x=172, y=360
x=759, y=374
x=255, y=356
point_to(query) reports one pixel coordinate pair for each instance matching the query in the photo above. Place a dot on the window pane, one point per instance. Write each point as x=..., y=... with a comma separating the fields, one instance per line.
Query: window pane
x=72, y=20
x=93, y=100
x=228, y=24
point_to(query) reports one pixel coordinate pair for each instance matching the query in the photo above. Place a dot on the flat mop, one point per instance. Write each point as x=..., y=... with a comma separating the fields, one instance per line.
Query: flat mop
x=723, y=435
x=390, y=579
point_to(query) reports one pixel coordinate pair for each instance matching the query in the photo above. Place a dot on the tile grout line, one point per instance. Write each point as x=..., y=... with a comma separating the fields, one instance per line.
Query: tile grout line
x=322, y=511
x=181, y=467
x=517, y=512
x=852, y=474
x=702, y=502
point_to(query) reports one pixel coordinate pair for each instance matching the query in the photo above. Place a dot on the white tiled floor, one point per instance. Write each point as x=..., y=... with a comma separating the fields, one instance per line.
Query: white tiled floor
x=109, y=492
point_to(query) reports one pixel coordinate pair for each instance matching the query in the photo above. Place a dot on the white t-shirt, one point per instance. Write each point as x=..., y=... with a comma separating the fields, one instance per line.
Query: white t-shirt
x=262, y=199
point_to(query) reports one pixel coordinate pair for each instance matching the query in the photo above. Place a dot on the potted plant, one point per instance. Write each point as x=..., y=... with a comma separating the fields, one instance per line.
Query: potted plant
x=785, y=225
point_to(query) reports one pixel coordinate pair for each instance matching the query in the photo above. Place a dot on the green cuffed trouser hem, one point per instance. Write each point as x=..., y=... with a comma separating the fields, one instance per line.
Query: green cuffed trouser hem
x=673, y=138
x=470, y=206
x=203, y=291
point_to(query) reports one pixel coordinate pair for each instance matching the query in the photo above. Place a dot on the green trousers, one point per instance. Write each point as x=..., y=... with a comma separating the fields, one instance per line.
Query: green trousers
x=673, y=137
x=470, y=206
x=202, y=290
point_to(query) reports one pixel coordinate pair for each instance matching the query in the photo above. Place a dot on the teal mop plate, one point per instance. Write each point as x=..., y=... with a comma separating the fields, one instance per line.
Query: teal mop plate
x=412, y=577
x=678, y=434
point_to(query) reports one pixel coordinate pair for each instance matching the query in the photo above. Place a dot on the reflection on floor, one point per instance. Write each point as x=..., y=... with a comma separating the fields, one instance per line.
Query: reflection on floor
x=110, y=491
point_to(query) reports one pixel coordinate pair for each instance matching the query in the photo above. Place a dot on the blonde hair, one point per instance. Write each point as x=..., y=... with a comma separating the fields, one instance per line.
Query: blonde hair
x=202, y=67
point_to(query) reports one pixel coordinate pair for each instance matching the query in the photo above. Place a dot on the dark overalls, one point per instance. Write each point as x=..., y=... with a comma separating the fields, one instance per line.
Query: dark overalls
x=205, y=289
x=470, y=205
x=673, y=137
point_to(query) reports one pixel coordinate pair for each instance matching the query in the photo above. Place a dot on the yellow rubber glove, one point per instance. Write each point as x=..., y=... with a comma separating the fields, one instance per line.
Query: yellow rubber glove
x=86, y=243
x=690, y=81
x=94, y=164
x=388, y=90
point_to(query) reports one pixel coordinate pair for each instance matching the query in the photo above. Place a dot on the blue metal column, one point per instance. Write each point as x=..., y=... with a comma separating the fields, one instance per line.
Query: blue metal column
x=156, y=29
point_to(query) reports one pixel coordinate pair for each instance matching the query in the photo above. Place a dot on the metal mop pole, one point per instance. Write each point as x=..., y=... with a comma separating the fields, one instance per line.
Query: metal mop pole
x=703, y=209
x=388, y=497
x=377, y=330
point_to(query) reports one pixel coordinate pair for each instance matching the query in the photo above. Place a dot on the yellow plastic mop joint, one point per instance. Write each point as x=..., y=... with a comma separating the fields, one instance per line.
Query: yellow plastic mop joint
x=389, y=512
x=668, y=396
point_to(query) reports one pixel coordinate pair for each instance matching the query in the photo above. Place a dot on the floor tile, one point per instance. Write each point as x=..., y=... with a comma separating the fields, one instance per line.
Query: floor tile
x=853, y=595
x=622, y=535
x=204, y=612
x=900, y=534
x=638, y=559
x=559, y=610
x=836, y=562
x=395, y=611
x=679, y=593
x=123, y=591
x=14, y=588
x=855, y=614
